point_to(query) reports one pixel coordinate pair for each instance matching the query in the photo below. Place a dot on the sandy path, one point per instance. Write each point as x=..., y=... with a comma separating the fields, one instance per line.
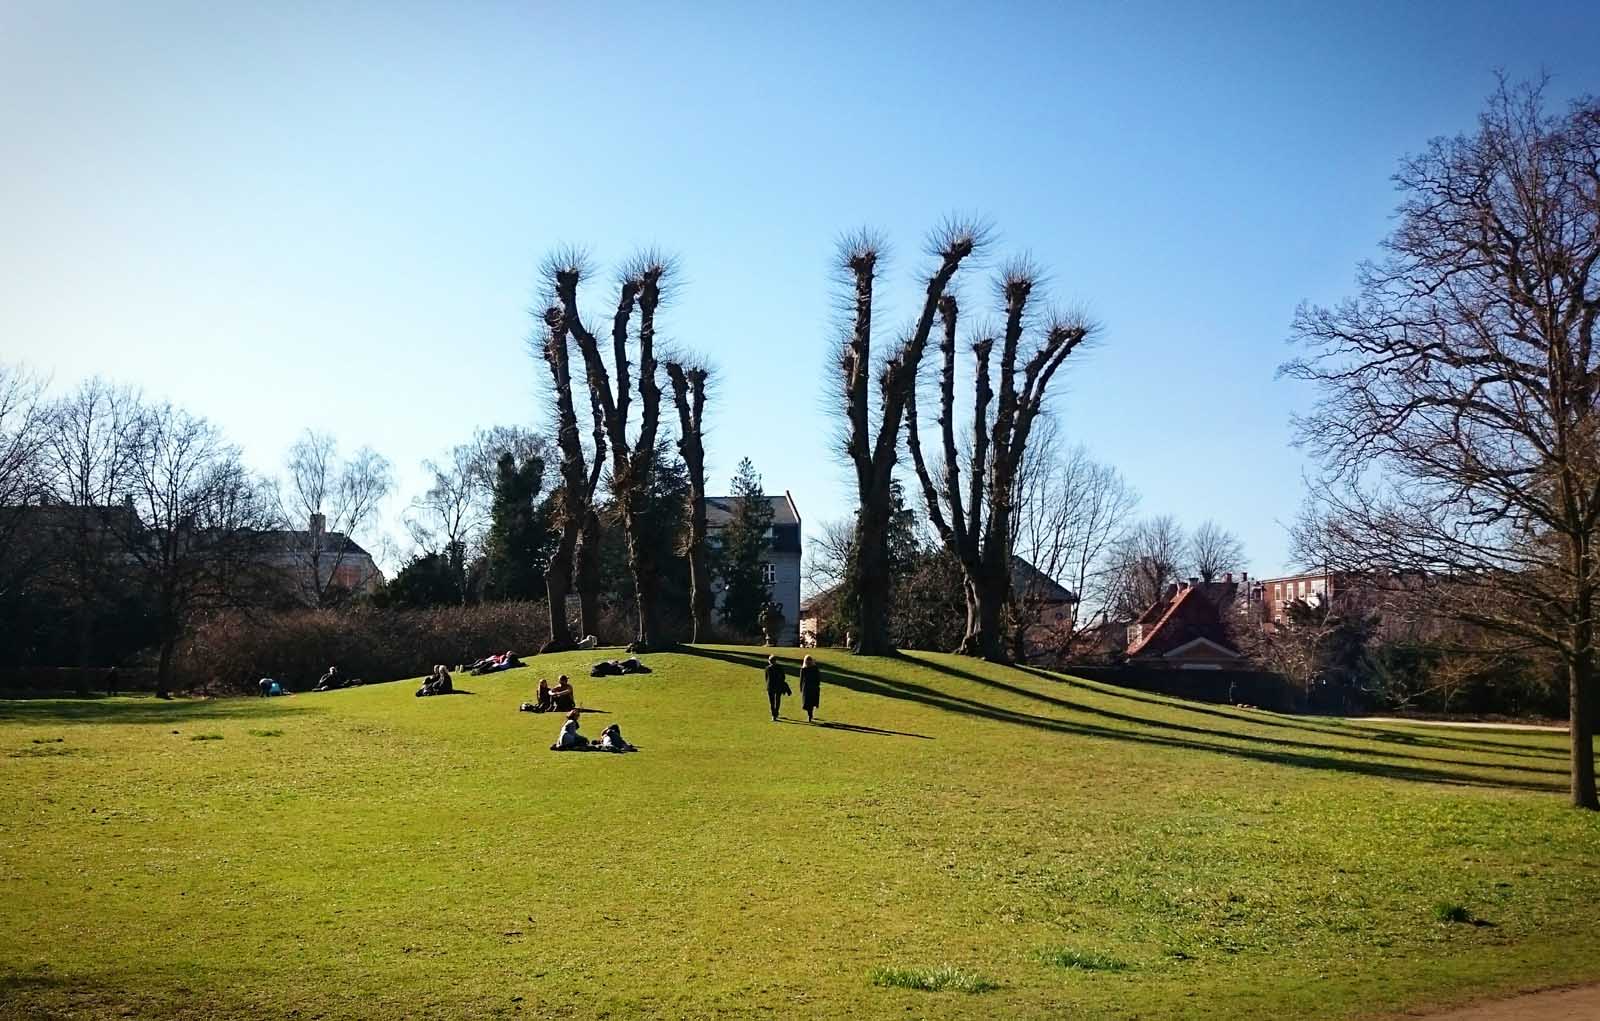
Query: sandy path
x=1581, y=1004
x=1548, y=728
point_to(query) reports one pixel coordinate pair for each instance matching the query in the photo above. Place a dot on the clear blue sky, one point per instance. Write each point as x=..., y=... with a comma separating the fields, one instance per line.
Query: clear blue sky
x=329, y=215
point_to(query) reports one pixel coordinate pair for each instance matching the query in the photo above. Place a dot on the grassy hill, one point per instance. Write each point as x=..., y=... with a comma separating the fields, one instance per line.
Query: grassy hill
x=1087, y=851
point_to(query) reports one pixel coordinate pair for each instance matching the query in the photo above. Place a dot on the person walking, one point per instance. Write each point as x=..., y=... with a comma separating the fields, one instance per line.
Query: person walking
x=777, y=687
x=810, y=687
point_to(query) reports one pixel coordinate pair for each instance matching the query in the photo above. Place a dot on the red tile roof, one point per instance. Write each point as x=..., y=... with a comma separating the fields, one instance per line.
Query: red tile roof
x=1180, y=618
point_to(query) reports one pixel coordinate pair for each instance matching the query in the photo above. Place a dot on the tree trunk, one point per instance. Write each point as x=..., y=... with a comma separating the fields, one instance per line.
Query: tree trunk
x=589, y=576
x=557, y=583
x=1580, y=723
x=870, y=578
x=699, y=575
x=169, y=644
x=641, y=561
x=986, y=601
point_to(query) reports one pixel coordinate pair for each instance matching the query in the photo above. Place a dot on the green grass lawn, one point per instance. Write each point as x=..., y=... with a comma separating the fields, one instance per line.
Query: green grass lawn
x=960, y=840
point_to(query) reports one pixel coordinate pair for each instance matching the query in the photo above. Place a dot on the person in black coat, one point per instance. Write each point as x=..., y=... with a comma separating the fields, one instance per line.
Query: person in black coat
x=777, y=687
x=810, y=687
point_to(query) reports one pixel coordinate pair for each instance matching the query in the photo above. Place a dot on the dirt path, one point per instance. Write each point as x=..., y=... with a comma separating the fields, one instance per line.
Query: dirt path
x=1548, y=728
x=1581, y=1004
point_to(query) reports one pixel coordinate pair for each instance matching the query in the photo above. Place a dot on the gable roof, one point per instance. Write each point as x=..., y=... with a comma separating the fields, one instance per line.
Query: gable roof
x=300, y=541
x=1183, y=616
x=721, y=509
x=1032, y=583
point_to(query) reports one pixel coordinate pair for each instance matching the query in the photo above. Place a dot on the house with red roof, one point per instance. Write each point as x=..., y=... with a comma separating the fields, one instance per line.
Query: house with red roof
x=1184, y=629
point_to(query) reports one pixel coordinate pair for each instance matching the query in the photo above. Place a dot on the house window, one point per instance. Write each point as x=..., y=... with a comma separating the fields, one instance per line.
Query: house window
x=769, y=574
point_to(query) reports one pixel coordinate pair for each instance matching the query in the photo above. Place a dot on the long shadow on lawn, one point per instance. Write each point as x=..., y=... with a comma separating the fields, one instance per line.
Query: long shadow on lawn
x=1263, y=718
x=145, y=710
x=856, y=728
x=1412, y=769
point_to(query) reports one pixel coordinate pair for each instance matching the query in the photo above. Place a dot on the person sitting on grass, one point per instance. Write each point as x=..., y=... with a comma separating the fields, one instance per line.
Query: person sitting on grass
x=562, y=698
x=329, y=681
x=437, y=683
x=570, y=740
x=542, y=702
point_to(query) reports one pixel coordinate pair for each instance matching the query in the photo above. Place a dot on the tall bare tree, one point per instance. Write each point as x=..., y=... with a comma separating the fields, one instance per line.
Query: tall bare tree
x=1143, y=563
x=92, y=444
x=1213, y=550
x=451, y=517
x=1458, y=420
x=977, y=526
x=197, y=539
x=335, y=499
x=689, y=395
x=633, y=464
x=873, y=454
x=1071, y=512
x=24, y=480
x=575, y=496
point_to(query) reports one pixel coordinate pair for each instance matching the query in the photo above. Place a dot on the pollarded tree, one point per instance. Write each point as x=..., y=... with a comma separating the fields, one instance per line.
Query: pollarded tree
x=976, y=525
x=689, y=395
x=873, y=453
x=1458, y=419
x=633, y=458
x=574, y=498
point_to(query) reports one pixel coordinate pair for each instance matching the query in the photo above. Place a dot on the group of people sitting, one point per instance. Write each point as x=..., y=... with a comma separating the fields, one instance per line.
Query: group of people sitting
x=571, y=741
x=559, y=699
x=618, y=667
x=495, y=663
x=437, y=683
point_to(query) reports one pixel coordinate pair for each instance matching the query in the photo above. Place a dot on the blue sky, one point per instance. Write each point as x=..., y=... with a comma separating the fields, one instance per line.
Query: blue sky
x=321, y=215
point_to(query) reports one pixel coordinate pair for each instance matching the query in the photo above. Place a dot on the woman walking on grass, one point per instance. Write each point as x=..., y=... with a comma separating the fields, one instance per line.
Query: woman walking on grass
x=777, y=687
x=810, y=687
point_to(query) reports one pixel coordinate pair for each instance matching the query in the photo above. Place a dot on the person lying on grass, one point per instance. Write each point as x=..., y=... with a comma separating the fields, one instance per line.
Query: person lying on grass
x=611, y=740
x=562, y=698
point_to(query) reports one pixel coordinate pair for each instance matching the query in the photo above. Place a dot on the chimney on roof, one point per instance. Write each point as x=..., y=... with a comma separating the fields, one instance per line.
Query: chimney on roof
x=1193, y=582
x=1228, y=577
x=318, y=523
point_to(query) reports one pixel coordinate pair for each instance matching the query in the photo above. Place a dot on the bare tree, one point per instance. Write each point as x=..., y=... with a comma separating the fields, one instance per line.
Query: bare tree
x=643, y=285
x=575, y=496
x=450, y=516
x=336, y=499
x=1143, y=563
x=689, y=395
x=1213, y=550
x=1071, y=512
x=24, y=480
x=1458, y=422
x=828, y=555
x=977, y=526
x=200, y=524
x=873, y=456
x=93, y=439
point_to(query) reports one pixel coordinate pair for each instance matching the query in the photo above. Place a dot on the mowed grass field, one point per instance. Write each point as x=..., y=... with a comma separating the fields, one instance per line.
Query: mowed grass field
x=1086, y=851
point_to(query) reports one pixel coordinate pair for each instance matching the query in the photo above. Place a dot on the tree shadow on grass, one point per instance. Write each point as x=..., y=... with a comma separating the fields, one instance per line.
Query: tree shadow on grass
x=1280, y=751
x=855, y=728
x=1321, y=727
x=146, y=710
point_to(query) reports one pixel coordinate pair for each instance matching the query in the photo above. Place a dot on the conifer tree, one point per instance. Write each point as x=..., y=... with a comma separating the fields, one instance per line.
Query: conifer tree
x=745, y=542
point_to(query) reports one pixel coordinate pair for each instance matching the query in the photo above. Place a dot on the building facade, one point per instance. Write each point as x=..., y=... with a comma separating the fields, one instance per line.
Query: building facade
x=781, y=565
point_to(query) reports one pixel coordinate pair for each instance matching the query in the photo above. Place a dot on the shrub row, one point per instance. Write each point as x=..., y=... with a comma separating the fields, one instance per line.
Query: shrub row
x=231, y=651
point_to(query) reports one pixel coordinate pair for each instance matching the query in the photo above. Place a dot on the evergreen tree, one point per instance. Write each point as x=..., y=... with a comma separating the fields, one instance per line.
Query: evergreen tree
x=426, y=580
x=745, y=542
x=519, y=530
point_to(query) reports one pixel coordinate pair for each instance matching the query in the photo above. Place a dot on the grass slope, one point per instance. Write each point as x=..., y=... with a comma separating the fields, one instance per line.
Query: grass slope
x=1088, y=851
